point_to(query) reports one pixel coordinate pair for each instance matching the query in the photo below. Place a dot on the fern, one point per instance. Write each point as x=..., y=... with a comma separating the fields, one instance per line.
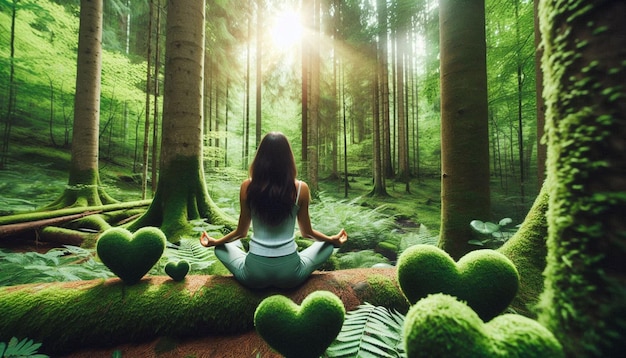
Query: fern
x=369, y=331
x=24, y=348
x=200, y=258
x=360, y=259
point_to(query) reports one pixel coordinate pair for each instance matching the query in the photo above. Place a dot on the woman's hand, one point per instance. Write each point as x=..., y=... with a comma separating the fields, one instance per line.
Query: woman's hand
x=206, y=240
x=340, y=238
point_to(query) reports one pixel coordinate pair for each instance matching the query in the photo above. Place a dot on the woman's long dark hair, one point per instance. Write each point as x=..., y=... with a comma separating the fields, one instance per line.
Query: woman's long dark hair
x=272, y=191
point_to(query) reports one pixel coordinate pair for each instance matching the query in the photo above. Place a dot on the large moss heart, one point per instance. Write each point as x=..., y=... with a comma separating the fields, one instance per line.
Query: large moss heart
x=300, y=331
x=177, y=270
x=485, y=279
x=130, y=256
x=442, y=326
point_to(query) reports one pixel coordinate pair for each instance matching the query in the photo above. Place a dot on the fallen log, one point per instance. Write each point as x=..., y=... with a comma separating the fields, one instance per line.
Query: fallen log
x=70, y=316
x=12, y=229
x=41, y=215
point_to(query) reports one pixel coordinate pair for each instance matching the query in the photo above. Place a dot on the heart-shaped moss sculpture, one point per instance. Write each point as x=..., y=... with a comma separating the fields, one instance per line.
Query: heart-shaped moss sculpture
x=130, y=256
x=485, y=279
x=177, y=270
x=441, y=326
x=300, y=331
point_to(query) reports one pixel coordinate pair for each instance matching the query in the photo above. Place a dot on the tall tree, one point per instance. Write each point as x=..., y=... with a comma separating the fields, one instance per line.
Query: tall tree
x=464, y=127
x=84, y=187
x=584, y=301
x=383, y=26
x=181, y=193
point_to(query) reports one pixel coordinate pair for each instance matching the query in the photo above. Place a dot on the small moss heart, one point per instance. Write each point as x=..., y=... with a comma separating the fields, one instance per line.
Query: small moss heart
x=442, y=326
x=485, y=279
x=177, y=270
x=300, y=331
x=130, y=256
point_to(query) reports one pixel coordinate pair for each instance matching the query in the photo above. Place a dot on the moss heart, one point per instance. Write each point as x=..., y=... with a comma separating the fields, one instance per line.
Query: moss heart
x=130, y=256
x=485, y=279
x=442, y=326
x=300, y=331
x=177, y=270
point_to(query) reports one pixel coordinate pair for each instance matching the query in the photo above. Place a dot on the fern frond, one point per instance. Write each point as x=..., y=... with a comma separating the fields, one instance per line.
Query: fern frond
x=369, y=331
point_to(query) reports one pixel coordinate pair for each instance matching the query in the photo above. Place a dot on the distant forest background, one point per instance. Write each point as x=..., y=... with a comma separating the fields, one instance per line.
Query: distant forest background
x=255, y=77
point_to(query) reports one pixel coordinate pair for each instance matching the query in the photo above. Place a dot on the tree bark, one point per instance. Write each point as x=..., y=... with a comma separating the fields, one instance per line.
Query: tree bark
x=464, y=123
x=584, y=301
x=181, y=194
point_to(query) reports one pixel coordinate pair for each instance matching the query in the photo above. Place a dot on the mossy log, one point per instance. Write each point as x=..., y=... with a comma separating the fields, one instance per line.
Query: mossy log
x=71, y=316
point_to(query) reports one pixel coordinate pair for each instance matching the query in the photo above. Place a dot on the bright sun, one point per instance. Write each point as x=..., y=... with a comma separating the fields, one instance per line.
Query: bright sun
x=286, y=30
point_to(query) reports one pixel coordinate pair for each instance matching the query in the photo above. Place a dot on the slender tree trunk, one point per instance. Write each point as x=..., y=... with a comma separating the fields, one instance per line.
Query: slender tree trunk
x=259, y=68
x=379, y=188
x=541, y=108
x=381, y=9
x=464, y=123
x=307, y=11
x=146, y=127
x=585, y=297
x=156, y=92
x=314, y=112
x=6, y=135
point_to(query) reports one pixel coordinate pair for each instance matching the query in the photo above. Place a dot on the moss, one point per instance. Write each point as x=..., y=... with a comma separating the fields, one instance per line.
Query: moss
x=102, y=314
x=131, y=256
x=485, y=279
x=584, y=301
x=384, y=291
x=527, y=250
x=300, y=331
x=175, y=206
x=442, y=326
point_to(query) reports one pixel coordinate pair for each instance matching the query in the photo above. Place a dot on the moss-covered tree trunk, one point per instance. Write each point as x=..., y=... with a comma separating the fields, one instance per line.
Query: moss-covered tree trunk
x=181, y=193
x=464, y=124
x=84, y=187
x=527, y=250
x=584, y=302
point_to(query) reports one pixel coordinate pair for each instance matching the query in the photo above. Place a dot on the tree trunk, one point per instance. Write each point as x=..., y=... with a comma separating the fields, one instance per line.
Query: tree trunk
x=181, y=194
x=464, y=123
x=585, y=297
x=83, y=187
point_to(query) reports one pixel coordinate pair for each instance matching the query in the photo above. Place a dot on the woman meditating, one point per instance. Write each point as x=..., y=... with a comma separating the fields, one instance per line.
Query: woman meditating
x=272, y=199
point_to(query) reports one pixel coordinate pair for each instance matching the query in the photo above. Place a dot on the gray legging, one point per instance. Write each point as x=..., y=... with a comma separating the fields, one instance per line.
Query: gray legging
x=288, y=271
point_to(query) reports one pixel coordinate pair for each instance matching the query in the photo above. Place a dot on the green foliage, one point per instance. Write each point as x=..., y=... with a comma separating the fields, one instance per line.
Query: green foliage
x=487, y=280
x=300, y=331
x=360, y=259
x=131, y=256
x=365, y=226
x=491, y=235
x=70, y=263
x=201, y=259
x=369, y=331
x=25, y=348
x=442, y=326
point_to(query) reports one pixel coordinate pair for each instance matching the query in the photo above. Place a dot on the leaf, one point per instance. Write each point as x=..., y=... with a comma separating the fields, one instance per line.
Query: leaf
x=23, y=348
x=369, y=331
x=484, y=227
x=505, y=221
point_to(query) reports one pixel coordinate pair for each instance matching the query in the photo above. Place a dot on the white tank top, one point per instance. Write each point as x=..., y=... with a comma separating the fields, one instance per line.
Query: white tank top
x=278, y=240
